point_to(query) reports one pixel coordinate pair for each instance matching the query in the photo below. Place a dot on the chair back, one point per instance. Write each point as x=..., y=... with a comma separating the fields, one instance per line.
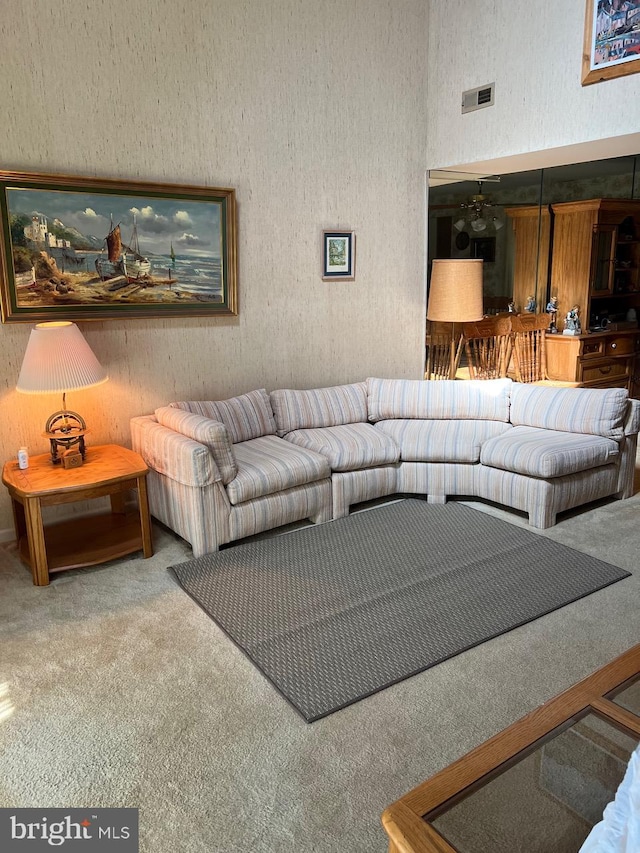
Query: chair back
x=496, y=304
x=529, y=353
x=443, y=349
x=487, y=344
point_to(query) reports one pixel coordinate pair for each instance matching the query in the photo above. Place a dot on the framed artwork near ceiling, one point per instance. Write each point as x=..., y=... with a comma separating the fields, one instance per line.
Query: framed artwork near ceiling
x=611, y=40
x=338, y=255
x=98, y=249
x=484, y=248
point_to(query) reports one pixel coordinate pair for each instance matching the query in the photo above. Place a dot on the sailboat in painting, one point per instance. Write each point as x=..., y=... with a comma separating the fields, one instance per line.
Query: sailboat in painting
x=122, y=259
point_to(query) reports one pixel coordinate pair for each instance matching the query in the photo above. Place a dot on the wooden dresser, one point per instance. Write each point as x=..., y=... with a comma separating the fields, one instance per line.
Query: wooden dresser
x=609, y=359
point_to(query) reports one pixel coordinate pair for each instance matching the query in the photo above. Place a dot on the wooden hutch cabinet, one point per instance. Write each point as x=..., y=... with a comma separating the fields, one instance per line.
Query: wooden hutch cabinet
x=595, y=264
x=531, y=225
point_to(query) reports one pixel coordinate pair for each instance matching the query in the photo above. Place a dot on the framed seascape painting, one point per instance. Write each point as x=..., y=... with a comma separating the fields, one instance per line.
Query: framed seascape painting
x=611, y=40
x=338, y=255
x=96, y=249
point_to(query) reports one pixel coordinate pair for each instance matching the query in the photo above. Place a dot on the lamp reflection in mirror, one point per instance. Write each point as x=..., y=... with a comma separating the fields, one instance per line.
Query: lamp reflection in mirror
x=455, y=296
x=58, y=359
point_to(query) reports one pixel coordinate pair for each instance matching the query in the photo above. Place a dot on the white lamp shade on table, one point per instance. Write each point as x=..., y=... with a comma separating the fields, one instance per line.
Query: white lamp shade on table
x=58, y=358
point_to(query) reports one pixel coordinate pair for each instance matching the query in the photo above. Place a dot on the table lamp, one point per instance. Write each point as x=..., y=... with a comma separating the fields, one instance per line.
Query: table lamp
x=58, y=358
x=455, y=296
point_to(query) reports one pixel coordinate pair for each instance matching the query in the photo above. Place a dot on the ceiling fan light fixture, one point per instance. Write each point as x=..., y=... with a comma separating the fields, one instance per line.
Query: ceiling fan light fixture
x=475, y=211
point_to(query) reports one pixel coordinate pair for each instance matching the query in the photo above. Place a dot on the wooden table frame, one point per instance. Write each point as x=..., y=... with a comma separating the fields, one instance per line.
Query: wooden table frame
x=109, y=470
x=404, y=821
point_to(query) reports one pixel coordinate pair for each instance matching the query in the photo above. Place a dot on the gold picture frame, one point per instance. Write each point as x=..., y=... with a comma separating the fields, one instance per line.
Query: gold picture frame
x=97, y=249
x=611, y=40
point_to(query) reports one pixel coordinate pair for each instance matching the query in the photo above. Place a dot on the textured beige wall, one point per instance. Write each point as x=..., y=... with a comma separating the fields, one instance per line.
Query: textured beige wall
x=532, y=50
x=314, y=110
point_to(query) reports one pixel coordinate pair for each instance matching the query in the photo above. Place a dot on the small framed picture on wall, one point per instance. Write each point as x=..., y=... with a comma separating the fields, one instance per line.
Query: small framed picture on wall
x=484, y=248
x=338, y=255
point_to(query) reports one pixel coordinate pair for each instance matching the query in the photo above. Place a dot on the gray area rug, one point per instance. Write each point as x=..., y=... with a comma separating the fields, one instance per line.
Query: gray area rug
x=333, y=613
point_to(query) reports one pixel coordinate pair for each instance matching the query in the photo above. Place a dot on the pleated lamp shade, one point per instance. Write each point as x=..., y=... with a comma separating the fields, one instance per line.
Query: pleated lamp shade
x=58, y=358
x=455, y=291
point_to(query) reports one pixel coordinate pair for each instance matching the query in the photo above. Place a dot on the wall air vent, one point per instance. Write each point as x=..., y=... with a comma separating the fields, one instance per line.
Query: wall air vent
x=477, y=99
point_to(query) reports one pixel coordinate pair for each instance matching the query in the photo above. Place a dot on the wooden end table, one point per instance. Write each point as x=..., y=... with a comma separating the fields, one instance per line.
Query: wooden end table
x=82, y=540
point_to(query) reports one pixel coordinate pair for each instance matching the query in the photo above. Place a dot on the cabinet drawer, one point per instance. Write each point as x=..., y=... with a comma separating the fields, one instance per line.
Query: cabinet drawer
x=621, y=344
x=601, y=371
x=593, y=348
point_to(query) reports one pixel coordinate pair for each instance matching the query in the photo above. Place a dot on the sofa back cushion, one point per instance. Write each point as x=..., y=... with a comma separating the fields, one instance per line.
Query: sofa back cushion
x=212, y=434
x=390, y=399
x=245, y=417
x=319, y=407
x=592, y=411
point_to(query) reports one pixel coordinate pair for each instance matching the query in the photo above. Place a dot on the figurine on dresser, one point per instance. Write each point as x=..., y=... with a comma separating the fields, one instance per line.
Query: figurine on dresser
x=552, y=311
x=572, y=322
x=530, y=307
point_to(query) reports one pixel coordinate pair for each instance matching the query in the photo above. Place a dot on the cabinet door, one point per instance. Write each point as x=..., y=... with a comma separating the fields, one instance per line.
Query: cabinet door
x=603, y=259
x=634, y=390
x=627, y=266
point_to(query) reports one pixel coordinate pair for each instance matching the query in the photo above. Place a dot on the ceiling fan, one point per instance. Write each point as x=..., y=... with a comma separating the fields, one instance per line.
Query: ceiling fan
x=478, y=213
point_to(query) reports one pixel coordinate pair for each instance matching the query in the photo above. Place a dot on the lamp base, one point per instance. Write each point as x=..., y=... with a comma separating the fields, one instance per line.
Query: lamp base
x=65, y=430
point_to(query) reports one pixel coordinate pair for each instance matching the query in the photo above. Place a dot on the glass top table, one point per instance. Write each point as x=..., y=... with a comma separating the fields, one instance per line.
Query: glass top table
x=537, y=787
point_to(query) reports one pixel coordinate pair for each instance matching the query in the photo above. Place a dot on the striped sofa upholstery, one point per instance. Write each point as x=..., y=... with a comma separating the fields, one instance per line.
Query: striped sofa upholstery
x=224, y=470
x=334, y=422
x=245, y=417
x=218, y=472
x=568, y=447
x=440, y=428
x=540, y=450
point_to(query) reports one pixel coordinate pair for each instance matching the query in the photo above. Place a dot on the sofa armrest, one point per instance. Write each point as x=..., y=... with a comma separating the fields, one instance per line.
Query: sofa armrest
x=631, y=424
x=172, y=454
x=213, y=434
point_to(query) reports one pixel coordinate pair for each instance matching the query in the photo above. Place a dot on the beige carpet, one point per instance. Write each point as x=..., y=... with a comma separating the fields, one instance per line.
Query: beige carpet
x=117, y=689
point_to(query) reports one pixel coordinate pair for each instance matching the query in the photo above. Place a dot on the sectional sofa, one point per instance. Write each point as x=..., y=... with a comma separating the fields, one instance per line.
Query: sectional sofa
x=224, y=470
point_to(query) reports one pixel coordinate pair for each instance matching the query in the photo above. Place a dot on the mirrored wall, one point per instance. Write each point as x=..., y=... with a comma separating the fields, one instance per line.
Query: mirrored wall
x=509, y=221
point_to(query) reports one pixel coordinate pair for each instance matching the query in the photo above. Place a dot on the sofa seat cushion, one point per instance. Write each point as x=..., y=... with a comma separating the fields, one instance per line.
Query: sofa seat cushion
x=446, y=399
x=348, y=447
x=269, y=464
x=596, y=411
x=547, y=453
x=245, y=417
x=441, y=441
x=319, y=407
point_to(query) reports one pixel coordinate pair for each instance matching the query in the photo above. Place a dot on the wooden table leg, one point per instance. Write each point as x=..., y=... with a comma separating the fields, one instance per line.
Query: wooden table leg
x=37, y=547
x=19, y=523
x=118, y=503
x=145, y=520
